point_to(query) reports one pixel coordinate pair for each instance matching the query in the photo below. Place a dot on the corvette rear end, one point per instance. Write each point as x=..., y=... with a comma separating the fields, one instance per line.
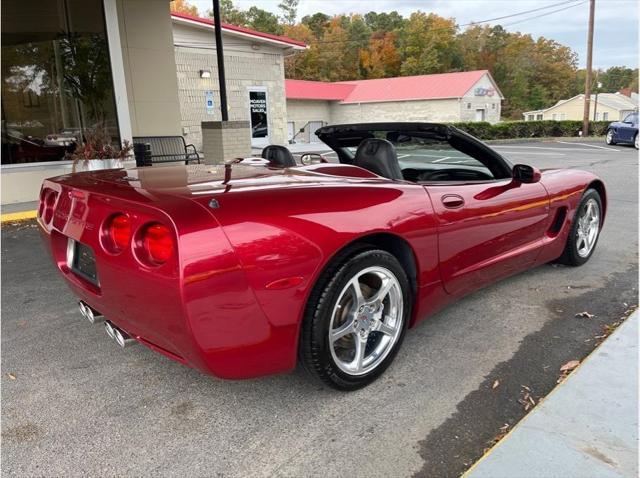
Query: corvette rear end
x=157, y=269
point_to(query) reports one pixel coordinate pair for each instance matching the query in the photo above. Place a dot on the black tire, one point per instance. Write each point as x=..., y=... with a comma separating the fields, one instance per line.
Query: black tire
x=635, y=140
x=570, y=254
x=315, y=352
x=609, y=138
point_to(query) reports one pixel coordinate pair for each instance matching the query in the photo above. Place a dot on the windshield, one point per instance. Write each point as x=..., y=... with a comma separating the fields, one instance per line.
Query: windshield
x=417, y=152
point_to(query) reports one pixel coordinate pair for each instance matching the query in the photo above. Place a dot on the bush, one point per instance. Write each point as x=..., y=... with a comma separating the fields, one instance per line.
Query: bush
x=530, y=129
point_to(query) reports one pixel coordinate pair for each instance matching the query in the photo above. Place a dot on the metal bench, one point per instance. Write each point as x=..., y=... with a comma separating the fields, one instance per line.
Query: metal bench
x=151, y=150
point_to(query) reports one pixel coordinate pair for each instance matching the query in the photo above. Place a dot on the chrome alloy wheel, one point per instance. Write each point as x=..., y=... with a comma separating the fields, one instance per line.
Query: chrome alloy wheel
x=609, y=137
x=588, y=228
x=366, y=320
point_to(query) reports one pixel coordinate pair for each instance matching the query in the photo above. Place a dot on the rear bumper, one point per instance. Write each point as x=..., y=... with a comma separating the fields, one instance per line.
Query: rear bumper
x=199, y=311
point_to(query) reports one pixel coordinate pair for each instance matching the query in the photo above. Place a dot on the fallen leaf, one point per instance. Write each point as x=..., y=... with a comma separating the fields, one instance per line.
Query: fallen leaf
x=570, y=365
x=504, y=427
x=11, y=376
x=526, y=388
x=585, y=315
x=495, y=384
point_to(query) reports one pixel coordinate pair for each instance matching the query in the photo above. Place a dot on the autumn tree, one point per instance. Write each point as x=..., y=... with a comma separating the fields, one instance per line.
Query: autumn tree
x=183, y=6
x=381, y=59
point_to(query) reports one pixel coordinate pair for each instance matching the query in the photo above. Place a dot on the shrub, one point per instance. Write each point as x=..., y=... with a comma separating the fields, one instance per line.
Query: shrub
x=530, y=129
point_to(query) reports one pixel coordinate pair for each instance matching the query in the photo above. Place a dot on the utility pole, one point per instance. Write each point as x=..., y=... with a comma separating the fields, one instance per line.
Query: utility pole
x=587, y=83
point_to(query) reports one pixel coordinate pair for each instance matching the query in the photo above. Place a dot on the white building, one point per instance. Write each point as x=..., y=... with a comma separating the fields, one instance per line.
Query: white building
x=447, y=97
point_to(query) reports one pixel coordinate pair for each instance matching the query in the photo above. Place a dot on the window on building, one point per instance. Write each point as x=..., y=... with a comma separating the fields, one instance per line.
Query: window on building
x=468, y=106
x=539, y=117
x=493, y=106
x=56, y=78
x=605, y=116
x=530, y=117
x=554, y=117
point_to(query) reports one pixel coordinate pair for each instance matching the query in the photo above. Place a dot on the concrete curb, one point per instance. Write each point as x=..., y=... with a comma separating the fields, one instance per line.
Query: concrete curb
x=470, y=473
x=589, y=139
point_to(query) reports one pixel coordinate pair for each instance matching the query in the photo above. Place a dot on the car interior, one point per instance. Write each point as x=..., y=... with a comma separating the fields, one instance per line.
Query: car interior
x=420, y=155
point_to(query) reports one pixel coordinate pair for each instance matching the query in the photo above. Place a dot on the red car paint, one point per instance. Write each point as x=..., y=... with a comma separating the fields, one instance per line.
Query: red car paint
x=231, y=299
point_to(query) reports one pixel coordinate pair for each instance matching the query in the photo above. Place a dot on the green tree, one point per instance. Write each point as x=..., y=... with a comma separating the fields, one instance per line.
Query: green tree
x=289, y=10
x=230, y=14
x=317, y=23
x=384, y=22
x=262, y=21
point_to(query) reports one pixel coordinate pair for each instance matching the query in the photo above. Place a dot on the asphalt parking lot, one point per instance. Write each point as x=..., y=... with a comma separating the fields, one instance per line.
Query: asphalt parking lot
x=74, y=404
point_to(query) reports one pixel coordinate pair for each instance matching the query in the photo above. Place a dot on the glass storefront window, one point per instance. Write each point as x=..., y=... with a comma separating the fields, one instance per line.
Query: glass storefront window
x=56, y=78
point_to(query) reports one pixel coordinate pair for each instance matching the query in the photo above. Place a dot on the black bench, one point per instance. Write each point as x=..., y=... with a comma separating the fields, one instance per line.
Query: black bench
x=150, y=150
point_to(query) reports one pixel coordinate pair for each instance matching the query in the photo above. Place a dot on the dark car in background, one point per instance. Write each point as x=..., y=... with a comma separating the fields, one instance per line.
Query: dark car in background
x=624, y=132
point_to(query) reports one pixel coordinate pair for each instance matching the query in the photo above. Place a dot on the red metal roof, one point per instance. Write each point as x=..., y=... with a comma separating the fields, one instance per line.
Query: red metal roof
x=235, y=28
x=316, y=90
x=402, y=88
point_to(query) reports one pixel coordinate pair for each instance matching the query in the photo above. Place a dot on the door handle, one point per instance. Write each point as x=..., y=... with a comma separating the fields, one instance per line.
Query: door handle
x=452, y=201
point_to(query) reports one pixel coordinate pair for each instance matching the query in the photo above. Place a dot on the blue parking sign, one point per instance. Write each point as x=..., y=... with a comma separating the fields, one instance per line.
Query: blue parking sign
x=208, y=96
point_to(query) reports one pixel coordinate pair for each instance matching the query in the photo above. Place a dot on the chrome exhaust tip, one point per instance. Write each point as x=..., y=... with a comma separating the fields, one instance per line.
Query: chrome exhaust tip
x=122, y=338
x=90, y=314
x=108, y=327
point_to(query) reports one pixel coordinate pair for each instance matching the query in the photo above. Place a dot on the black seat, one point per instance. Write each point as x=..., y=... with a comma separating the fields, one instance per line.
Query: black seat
x=378, y=156
x=278, y=156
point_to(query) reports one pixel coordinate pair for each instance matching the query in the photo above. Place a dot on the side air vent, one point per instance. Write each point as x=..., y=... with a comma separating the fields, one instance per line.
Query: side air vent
x=558, y=221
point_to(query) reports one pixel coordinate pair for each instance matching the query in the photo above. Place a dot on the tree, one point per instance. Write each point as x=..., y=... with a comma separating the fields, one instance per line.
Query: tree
x=303, y=65
x=230, y=14
x=381, y=59
x=384, y=22
x=183, y=6
x=618, y=77
x=317, y=23
x=429, y=45
x=262, y=21
x=289, y=11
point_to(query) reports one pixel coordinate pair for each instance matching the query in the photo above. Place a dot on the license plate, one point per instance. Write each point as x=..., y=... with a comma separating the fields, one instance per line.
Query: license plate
x=83, y=261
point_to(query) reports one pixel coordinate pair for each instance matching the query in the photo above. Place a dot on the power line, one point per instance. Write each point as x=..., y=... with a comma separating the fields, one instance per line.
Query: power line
x=574, y=3
x=545, y=14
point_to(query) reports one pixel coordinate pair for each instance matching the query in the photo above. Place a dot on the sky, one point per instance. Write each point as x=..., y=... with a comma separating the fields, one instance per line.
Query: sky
x=616, y=21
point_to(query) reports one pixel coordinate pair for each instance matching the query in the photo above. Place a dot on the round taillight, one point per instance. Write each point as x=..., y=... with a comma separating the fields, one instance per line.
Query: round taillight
x=119, y=231
x=49, y=202
x=158, y=243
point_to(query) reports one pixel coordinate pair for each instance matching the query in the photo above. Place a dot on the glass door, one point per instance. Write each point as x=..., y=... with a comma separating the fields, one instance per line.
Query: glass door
x=259, y=116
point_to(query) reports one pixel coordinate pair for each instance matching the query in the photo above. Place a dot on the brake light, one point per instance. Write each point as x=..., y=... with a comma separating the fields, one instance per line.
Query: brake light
x=49, y=200
x=158, y=243
x=119, y=231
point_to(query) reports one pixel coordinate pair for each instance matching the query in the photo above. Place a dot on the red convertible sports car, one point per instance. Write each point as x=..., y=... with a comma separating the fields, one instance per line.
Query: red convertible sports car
x=241, y=271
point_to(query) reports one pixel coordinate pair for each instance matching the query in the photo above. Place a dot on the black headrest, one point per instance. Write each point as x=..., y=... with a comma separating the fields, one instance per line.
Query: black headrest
x=278, y=156
x=379, y=157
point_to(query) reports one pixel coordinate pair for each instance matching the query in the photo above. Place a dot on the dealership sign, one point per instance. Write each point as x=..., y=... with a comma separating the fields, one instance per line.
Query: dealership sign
x=481, y=91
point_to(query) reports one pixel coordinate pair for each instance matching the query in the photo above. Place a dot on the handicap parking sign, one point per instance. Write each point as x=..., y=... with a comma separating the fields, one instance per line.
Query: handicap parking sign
x=208, y=95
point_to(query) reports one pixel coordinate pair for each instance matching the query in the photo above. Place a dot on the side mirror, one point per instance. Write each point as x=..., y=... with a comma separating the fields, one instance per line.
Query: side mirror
x=526, y=174
x=312, y=158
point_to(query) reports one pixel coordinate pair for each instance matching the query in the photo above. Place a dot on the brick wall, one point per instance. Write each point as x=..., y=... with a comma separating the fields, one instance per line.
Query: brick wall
x=244, y=69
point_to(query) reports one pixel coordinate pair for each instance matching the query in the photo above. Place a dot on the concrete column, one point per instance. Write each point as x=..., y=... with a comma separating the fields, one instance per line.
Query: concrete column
x=225, y=140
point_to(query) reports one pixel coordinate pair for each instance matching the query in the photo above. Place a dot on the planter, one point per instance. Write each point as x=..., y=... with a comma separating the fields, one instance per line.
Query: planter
x=96, y=164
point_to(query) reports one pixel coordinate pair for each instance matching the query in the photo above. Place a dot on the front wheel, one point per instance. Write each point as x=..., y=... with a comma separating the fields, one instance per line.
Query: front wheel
x=356, y=319
x=585, y=230
x=635, y=141
x=609, y=137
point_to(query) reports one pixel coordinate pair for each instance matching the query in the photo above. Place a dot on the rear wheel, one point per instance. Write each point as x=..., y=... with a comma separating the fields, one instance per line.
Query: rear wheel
x=585, y=230
x=356, y=319
x=609, y=137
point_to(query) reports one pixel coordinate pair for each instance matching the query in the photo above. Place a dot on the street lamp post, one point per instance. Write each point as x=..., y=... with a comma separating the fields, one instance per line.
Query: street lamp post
x=217, y=24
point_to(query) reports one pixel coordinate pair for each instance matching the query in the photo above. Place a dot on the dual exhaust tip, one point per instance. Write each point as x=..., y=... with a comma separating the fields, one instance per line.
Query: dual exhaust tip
x=122, y=338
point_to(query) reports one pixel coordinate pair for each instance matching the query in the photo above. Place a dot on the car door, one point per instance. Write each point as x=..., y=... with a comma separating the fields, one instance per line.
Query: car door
x=487, y=230
x=628, y=127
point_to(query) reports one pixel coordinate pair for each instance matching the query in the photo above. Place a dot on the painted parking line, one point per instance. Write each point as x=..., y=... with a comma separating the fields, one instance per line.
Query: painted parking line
x=589, y=145
x=513, y=146
x=533, y=153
